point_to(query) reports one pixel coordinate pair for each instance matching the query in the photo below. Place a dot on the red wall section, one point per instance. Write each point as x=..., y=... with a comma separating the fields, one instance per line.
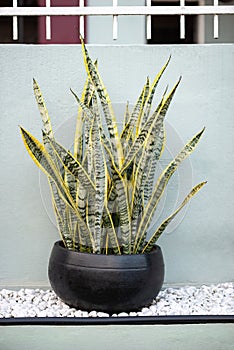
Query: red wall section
x=64, y=29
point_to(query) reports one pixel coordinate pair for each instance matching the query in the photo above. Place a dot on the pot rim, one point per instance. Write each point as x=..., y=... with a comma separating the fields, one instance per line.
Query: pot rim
x=111, y=261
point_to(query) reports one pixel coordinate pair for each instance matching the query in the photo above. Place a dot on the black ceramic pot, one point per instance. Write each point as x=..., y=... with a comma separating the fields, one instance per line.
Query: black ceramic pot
x=110, y=283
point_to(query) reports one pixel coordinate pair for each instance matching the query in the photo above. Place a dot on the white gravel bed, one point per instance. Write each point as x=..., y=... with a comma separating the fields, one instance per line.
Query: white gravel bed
x=206, y=300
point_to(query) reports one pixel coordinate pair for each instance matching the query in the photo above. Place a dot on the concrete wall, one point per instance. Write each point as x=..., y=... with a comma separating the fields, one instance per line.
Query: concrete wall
x=199, y=248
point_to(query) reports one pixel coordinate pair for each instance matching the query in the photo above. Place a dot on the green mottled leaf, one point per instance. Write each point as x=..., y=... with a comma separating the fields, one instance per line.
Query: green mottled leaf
x=152, y=148
x=42, y=109
x=160, y=187
x=106, y=106
x=100, y=183
x=147, y=128
x=137, y=111
x=126, y=114
x=152, y=92
x=123, y=206
x=73, y=166
x=149, y=245
x=42, y=159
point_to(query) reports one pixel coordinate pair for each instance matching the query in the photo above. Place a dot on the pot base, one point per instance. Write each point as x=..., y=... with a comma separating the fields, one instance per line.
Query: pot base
x=108, y=283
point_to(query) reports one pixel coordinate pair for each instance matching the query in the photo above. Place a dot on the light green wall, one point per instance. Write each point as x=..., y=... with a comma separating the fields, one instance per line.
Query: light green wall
x=200, y=249
x=131, y=29
x=160, y=337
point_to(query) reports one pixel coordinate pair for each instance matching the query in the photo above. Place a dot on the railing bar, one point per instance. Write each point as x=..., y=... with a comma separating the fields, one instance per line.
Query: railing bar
x=48, y=22
x=15, y=28
x=15, y=22
x=115, y=22
x=216, y=26
x=182, y=22
x=81, y=20
x=115, y=27
x=148, y=22
x=216, y=21
x=117, y=11
x=148, y=27
x=182, y=27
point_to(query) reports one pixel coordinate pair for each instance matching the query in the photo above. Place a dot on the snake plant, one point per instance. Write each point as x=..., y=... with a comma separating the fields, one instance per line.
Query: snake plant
x=103, y=193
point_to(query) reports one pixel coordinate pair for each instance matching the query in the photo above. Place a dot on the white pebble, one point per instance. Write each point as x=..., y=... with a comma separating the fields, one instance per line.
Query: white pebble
x=42, y=313
x=145, y=310
x=206, y=300
x=36, y=300
x=133, y=314
x=123, y=314
x=41, y=305
x=19, y=313
x=102, y=314
x=31, y=313
x=50, y=313
x=153, y=308
x=78, y=313
x=66, y=312
x=5, y=293
x=140, y=313
x=46, y=297
x=93, y=314
x=28, y=291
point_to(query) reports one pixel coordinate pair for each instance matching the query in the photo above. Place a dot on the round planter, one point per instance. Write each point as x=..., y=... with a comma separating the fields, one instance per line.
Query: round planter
x=110, y=283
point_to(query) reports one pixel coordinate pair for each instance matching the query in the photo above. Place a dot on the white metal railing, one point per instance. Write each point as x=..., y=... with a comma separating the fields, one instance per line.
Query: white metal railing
x=148, y=10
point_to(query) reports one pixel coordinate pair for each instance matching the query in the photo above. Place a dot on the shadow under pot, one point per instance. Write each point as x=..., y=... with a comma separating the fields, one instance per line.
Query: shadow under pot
x=108, y=283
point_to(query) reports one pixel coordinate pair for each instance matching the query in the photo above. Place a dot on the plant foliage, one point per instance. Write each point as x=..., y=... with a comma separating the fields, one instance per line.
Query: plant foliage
x=103, y=193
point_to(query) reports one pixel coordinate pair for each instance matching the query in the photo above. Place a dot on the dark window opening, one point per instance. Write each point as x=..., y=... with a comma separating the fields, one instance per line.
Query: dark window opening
x=27, y=26
x=166, y=29
x=32, y=29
